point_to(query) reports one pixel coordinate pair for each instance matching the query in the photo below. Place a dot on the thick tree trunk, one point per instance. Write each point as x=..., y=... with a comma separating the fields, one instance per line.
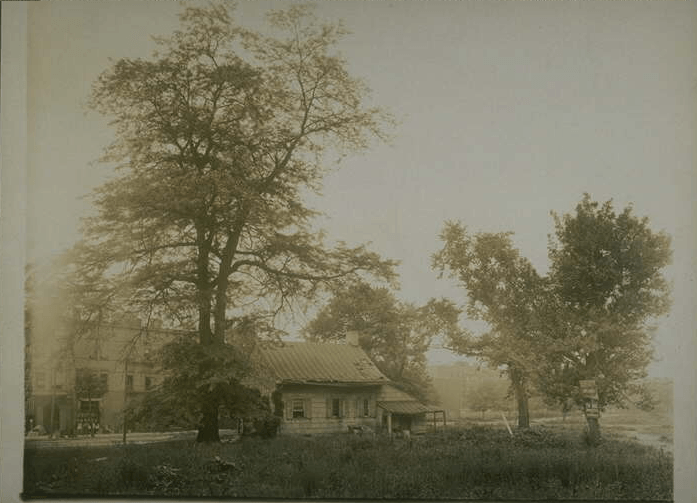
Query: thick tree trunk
x=208, y=429
x=521, y=397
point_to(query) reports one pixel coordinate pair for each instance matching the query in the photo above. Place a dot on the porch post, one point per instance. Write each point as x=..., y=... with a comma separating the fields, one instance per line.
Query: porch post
x=389, y=423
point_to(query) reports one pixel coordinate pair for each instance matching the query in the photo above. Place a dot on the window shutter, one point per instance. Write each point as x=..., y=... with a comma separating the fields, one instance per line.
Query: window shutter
x=343, y=408
x=358, y=414
x=329, y=407
x=307, y=408
x=287, y=406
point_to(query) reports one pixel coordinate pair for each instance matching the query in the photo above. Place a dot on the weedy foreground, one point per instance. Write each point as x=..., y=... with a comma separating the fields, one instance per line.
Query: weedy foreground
x=478, y=463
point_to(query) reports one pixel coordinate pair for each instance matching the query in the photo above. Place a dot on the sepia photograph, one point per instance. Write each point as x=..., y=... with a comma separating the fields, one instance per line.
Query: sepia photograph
x=326, y=250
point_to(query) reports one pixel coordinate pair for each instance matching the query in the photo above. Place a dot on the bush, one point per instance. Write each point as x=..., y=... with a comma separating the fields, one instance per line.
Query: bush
x=132, y=473
x=267, y=426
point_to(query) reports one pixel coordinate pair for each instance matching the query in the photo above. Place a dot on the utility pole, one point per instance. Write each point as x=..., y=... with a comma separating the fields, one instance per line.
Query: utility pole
x=53, y=397
x=125, y=396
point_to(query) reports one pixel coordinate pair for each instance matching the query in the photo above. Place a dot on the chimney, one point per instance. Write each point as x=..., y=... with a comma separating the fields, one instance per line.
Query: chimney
x=352, y=337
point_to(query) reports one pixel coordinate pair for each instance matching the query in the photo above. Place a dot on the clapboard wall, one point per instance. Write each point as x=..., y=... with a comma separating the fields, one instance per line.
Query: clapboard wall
x=318, y=408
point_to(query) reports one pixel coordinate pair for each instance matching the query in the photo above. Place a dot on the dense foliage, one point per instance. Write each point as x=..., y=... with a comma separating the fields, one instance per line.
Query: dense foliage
x=606, y=289
x=588, y=319
x=396, y=335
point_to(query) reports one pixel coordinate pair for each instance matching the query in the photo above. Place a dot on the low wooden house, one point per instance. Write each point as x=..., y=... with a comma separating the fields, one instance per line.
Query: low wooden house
x=325, y=388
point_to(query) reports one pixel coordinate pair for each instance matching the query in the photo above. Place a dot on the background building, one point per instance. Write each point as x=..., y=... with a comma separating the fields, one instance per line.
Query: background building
x=86, y=376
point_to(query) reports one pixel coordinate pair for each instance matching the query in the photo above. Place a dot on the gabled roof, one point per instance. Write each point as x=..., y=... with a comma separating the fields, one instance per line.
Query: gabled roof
x=308, y=362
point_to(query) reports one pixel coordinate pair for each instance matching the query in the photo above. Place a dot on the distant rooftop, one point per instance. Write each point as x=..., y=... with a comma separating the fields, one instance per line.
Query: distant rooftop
x=308, y=362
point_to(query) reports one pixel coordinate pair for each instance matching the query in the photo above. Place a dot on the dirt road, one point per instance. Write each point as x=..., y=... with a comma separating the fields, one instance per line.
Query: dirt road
x=116, y=439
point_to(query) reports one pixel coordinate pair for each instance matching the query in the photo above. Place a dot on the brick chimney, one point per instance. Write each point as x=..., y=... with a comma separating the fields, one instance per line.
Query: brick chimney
x=352, y=337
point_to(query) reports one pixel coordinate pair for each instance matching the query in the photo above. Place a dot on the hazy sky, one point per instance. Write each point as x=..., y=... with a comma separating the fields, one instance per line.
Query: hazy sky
x=507, y=111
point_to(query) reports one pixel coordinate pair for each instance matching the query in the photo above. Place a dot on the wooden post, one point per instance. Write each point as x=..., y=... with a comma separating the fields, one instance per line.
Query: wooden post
x=445, y=422
x=506, y=421
x=389, y=424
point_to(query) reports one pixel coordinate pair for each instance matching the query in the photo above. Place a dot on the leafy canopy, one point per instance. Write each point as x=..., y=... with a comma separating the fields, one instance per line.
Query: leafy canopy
x=503, y=290
x=606, y=288
x=589, y=318
x=396, y=335
x=218, y=137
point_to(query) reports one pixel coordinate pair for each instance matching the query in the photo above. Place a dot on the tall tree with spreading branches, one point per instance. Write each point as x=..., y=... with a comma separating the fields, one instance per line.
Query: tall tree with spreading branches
x=218, y=136
x=503, y=290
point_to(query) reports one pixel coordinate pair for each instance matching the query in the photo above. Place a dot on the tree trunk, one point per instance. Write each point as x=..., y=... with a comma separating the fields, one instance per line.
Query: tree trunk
x=208, y=429
x=593, y=430
x=521, y=397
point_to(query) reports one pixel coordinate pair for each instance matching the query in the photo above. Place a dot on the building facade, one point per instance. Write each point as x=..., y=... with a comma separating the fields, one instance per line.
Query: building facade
x=335, y=388
x=81, y=382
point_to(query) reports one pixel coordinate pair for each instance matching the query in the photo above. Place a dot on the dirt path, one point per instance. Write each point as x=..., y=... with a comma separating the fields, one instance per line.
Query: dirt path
x=650, y=439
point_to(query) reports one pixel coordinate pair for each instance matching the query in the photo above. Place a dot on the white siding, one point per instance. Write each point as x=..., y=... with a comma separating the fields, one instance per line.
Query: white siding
x=317, y=400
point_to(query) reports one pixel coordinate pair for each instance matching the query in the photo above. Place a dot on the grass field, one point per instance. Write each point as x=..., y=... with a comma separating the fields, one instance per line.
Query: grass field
x=478, y=463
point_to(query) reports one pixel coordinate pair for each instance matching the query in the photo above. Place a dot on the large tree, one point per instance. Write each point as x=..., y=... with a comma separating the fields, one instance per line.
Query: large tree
x=394, y=334
x=503, y=290
x=218, y=136
x=606, y=290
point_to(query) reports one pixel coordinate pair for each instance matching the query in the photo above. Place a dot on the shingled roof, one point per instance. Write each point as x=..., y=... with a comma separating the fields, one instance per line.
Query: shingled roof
x=308, y=362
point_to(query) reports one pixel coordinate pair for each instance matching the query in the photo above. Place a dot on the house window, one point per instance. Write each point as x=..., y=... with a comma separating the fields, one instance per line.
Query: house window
x=336, y=407
x=89, y=406
x=129, y=382
x=298, y=408
x=103, y=381
x=366, y=408
x=58, y=378
x=148, y=383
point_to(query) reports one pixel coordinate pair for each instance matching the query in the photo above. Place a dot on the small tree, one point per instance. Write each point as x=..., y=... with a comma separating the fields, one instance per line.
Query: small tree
x=396, y=335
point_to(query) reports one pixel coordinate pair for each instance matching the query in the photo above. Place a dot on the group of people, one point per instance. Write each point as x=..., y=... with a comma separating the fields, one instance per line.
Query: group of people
x=87, y=428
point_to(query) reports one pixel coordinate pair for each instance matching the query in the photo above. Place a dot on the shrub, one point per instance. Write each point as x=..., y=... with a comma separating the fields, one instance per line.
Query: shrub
x=132, y=473
x=267, y=426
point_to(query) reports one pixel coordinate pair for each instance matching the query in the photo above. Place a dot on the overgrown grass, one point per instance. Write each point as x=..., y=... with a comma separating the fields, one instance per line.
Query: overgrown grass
x=478, y=463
